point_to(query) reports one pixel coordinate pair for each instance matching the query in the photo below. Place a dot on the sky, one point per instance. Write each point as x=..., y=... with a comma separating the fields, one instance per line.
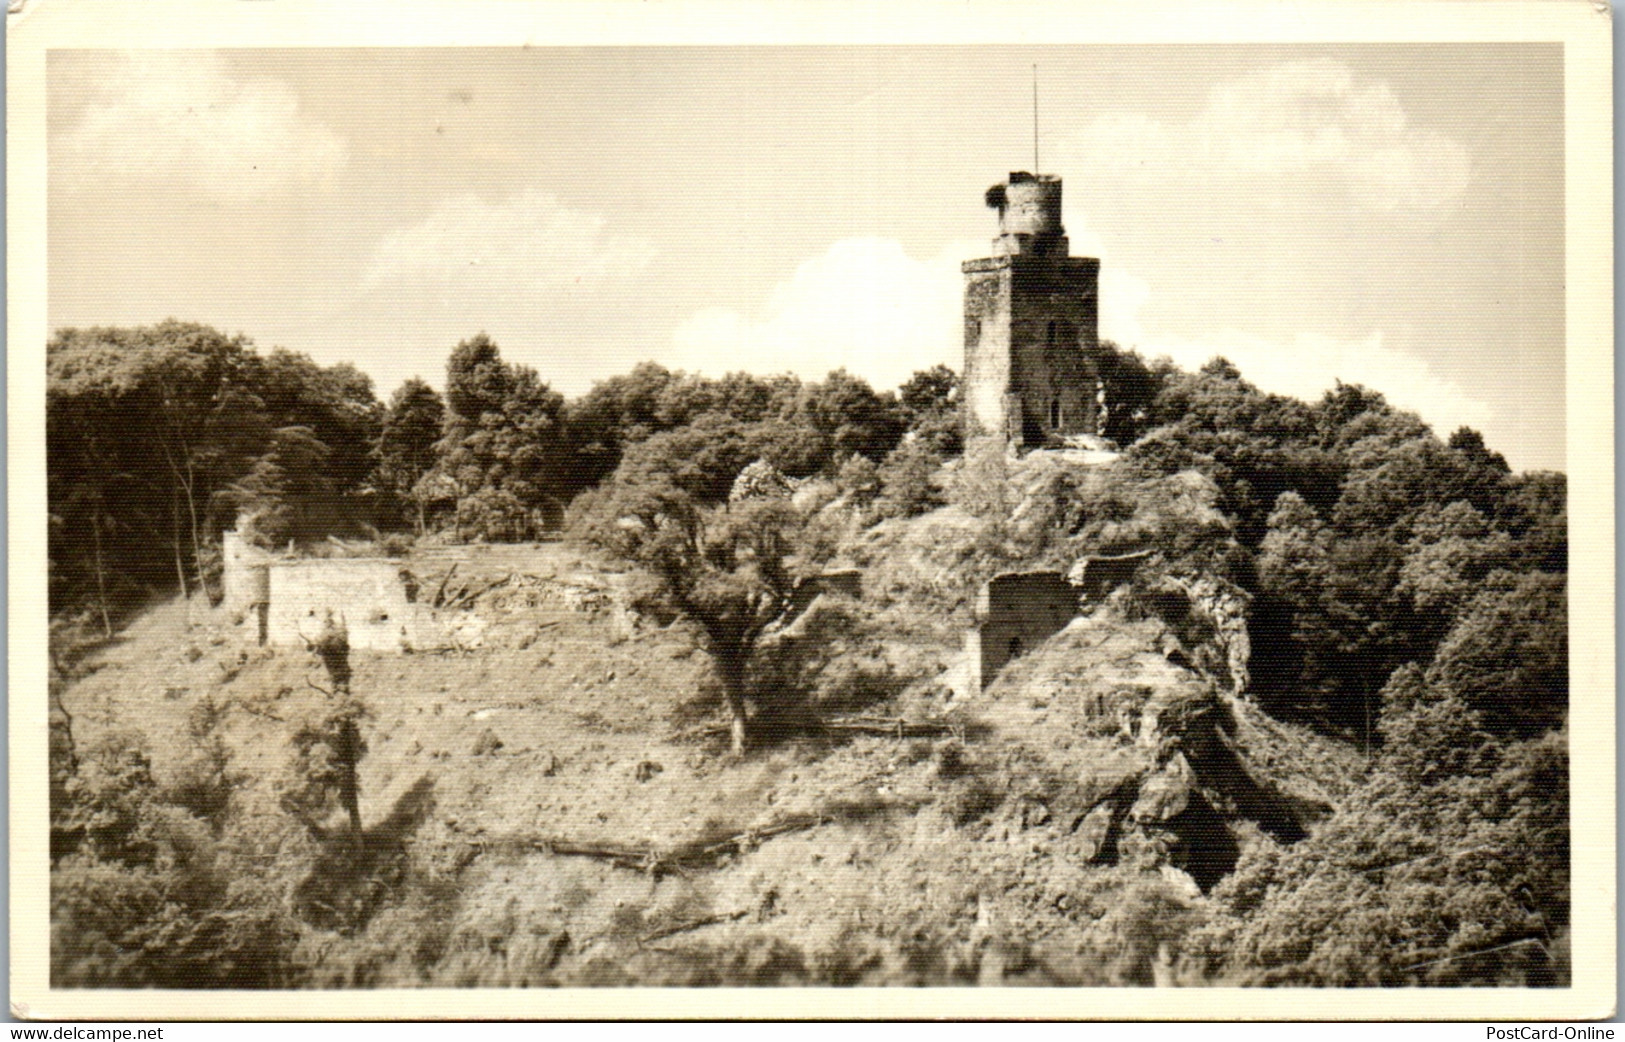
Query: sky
x=1383, y=214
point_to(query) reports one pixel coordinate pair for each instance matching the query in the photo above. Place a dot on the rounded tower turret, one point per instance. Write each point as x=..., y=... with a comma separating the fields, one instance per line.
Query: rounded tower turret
x=1029, y=208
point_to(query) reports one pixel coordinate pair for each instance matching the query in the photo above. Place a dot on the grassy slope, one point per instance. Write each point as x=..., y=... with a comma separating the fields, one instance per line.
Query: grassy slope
x=939, y=861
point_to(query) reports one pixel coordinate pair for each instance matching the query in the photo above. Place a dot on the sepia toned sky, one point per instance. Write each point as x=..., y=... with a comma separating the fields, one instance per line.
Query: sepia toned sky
x=1390, y=215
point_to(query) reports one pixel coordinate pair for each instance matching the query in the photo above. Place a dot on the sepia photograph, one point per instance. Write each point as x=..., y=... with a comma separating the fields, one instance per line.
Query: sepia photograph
x=769, y=504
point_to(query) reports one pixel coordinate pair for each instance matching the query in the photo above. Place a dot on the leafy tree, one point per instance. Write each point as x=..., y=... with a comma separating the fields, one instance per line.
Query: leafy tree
x=186, y=394
x=1131, y=392
x=504, y=447
x=848, y=412
x=929, y=403
x=1448, y=866
x=328, y=744
x=908, y=480
x=334, y=403
x=928, y=391
x=1291, y=636
x=155, y=433
x=796, y=449
x=700, y=460
x=1254, y=446
x=617, y=412
x=729, y=572
x=406, y=445
x=274, y=501
x=1508, y=656
x=1470, y=444
x=1391, y=483
x=741, y=396
x=1534, y=511
x=1451, y=551
x=163, y=886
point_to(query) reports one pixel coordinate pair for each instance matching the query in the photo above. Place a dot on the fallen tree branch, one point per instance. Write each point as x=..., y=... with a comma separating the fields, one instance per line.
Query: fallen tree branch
x=708, y=731
x=710, y=920
x=435, y=603
x=891, y=728
x=468, y=598
x=884, y=727
x=698, y=854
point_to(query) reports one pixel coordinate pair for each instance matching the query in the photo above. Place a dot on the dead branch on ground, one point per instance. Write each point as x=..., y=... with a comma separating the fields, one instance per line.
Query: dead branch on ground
x=883, y=727
x=435, y=603
x=697, y=854
x=469, y=598
x=710, y=920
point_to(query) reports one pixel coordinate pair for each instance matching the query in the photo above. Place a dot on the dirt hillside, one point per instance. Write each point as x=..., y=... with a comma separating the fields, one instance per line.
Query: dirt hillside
x=554, y=806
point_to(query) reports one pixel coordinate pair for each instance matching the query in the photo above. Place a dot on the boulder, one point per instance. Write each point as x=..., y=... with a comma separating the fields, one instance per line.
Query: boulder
x=1166, y=793
x=1093, y=832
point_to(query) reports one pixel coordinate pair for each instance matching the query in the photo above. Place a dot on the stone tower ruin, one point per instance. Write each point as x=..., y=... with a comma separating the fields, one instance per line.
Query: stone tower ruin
x=1031, y=317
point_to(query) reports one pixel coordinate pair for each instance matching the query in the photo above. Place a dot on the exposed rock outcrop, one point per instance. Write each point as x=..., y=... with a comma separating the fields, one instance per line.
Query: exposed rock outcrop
x=1167, y=780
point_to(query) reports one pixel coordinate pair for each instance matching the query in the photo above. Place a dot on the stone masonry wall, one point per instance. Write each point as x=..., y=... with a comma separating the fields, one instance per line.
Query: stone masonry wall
x=1030, y=343
x=987, y=348
x=368, y=595
x=1014, y=614
x=242, y=575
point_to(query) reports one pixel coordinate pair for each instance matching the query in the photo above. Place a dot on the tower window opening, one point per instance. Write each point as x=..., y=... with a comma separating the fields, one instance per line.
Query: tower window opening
x=1055, y=412
x=1049, y=334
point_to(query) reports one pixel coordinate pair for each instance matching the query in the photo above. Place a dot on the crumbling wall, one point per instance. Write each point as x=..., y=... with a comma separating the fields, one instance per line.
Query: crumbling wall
x=844, y=583
x=987, y=349
x=1095, y=577
x=1015, y=613
x=242, y=573
x=368, y=594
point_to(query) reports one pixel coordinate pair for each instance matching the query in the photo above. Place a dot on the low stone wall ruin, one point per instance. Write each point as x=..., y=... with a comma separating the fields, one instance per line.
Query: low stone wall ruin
x=386, y=604
x=1015, y=613
x=369, y=595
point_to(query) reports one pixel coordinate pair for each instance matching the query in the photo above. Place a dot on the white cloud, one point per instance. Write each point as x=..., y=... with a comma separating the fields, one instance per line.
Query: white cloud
x=179, y=118
x=1305, y=368
x=1292, y=120
x=527, y=245
x=864, y=305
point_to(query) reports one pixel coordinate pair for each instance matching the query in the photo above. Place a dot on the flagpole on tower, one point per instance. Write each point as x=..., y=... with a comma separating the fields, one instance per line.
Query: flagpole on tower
x=1036, y=167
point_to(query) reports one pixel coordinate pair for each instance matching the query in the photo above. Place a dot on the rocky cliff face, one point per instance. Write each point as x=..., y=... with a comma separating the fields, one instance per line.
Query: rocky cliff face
x=1149, y=758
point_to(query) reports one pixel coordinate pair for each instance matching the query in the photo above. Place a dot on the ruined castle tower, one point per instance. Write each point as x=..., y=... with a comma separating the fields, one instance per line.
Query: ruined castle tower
x=1030, y=323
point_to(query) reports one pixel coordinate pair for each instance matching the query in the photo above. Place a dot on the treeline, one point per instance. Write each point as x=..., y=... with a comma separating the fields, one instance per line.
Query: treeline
x=1408, y=594
x=1366, y=541
x=1369, y=543
x=159, y=437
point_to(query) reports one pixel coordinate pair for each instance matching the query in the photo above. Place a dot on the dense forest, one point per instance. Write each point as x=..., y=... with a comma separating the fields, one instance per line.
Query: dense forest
x=1367, y=542
x=159, y=437
x=1408, y=593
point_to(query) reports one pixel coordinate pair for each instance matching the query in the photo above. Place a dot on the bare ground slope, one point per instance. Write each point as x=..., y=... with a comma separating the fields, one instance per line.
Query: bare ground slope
x=562, y=818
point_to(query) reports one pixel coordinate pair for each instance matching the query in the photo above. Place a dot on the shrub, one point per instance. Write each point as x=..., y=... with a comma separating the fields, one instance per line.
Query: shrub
x=908, y=480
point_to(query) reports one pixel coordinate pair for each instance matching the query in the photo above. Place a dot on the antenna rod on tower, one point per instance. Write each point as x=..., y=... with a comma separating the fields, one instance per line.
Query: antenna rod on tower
x=1036, y=167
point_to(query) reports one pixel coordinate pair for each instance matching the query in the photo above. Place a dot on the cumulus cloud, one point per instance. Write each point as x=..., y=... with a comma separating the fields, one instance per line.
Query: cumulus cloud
x=864, y=305
x=1304, y=367
x=503, y=252
x=1292, y=120
x=867, y=306
x=180, y=118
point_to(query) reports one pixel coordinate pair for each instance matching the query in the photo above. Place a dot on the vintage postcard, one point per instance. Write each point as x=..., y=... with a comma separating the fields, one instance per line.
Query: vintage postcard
x=702, y=509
